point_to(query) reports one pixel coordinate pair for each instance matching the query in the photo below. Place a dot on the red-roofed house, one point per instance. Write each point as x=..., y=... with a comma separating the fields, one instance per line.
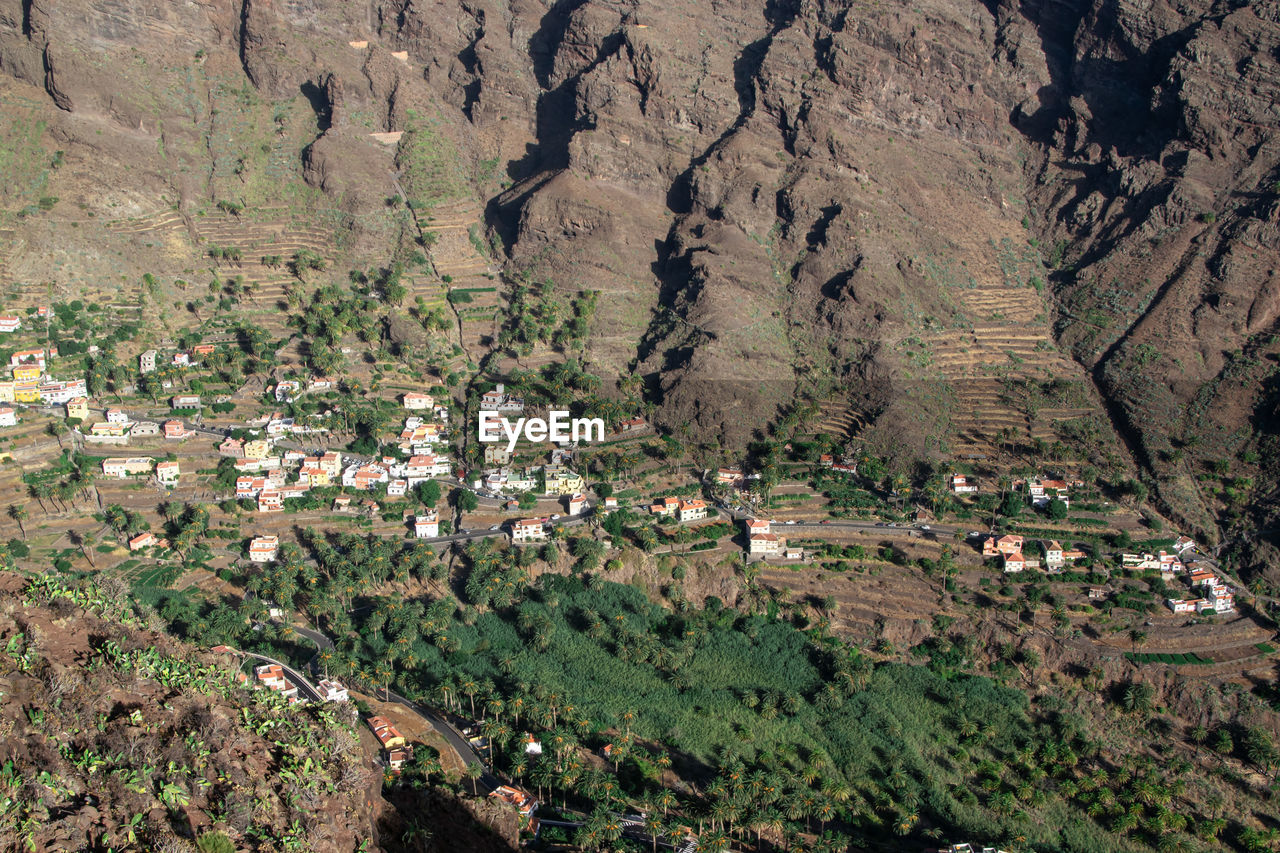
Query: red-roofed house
x=263, y=549
x=692, y=510
x=994, y=546
x=1014, y=562
x=528, y=530
x=765, y=544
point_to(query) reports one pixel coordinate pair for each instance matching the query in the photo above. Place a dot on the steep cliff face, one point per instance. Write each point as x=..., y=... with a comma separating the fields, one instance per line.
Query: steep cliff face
x=1158, y=167
x=907, y=207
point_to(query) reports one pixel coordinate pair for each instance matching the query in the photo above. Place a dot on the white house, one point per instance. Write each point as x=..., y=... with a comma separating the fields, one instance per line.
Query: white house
x=528, y=530
x=962, y=485
x=263, y=549
x=1183, y=605
x=286, y=390
x=498, y=400
x=765, y=544
x=55, y=393
x=728, y=476
x=167, y=472
x=364, y=477
x=426, y=525
x=1053, y=559
x=1043, y=491
x=1219, y=599
x=122, y=467
x=577, y=504
x=692, y=510
x=8, y=417
x=415, y=402
x=34, y=357
x=1139, y=562
x=426, y=465
x=147, y=362
x=10, y=323
x=332, y=691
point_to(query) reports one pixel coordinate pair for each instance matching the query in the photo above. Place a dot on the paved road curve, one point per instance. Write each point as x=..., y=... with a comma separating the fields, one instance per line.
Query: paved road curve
x=437, y=721
x=304, y=686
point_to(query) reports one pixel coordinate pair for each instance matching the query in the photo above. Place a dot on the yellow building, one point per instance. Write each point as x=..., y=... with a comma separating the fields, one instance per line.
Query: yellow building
x=316, y=476
x=78, y=407
x=258, y=448
x=26, y=392
x=561, y=480
x=26, y=372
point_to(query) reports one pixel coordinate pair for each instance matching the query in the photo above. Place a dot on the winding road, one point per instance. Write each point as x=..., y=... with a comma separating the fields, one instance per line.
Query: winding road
x=437, y=721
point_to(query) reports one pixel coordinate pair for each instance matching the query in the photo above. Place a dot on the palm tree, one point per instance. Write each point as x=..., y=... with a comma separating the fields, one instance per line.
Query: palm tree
x=714, y=841
x=19, y=514
x=1198, y=735
x=653, y=825
x=469, y=687
x=77, y=540
x=473, y=771
x=39, y=491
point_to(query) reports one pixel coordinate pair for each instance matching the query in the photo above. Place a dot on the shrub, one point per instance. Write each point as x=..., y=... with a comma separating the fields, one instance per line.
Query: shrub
x=215, y=842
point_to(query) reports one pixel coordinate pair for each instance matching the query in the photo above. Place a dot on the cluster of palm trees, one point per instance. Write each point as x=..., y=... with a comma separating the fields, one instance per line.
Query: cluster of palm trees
x=497, y=578
x=63, y=492
x=341, y=569
x=123, y=522
x=187, y=526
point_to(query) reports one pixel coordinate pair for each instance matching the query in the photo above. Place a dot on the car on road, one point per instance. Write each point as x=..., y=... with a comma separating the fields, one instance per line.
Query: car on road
x=881, y=524
x=495, y=527
x=825, y=521
x=555, y=517
x=924, y=527
x=974, y=534
x=790, y=522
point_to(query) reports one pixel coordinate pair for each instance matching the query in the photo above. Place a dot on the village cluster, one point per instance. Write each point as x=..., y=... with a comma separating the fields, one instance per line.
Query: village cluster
x=1185, y=561
x=33, y=382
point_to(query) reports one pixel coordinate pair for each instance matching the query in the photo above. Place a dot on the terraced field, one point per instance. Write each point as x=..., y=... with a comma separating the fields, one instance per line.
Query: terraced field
x=256, y=239
x=1235, y=644
x=1007, y=338
x=458, y=259
x=838, y=419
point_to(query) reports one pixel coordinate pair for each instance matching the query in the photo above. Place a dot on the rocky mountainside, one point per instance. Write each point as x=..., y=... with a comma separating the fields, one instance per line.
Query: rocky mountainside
x=907, y=208
x=120, y=738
